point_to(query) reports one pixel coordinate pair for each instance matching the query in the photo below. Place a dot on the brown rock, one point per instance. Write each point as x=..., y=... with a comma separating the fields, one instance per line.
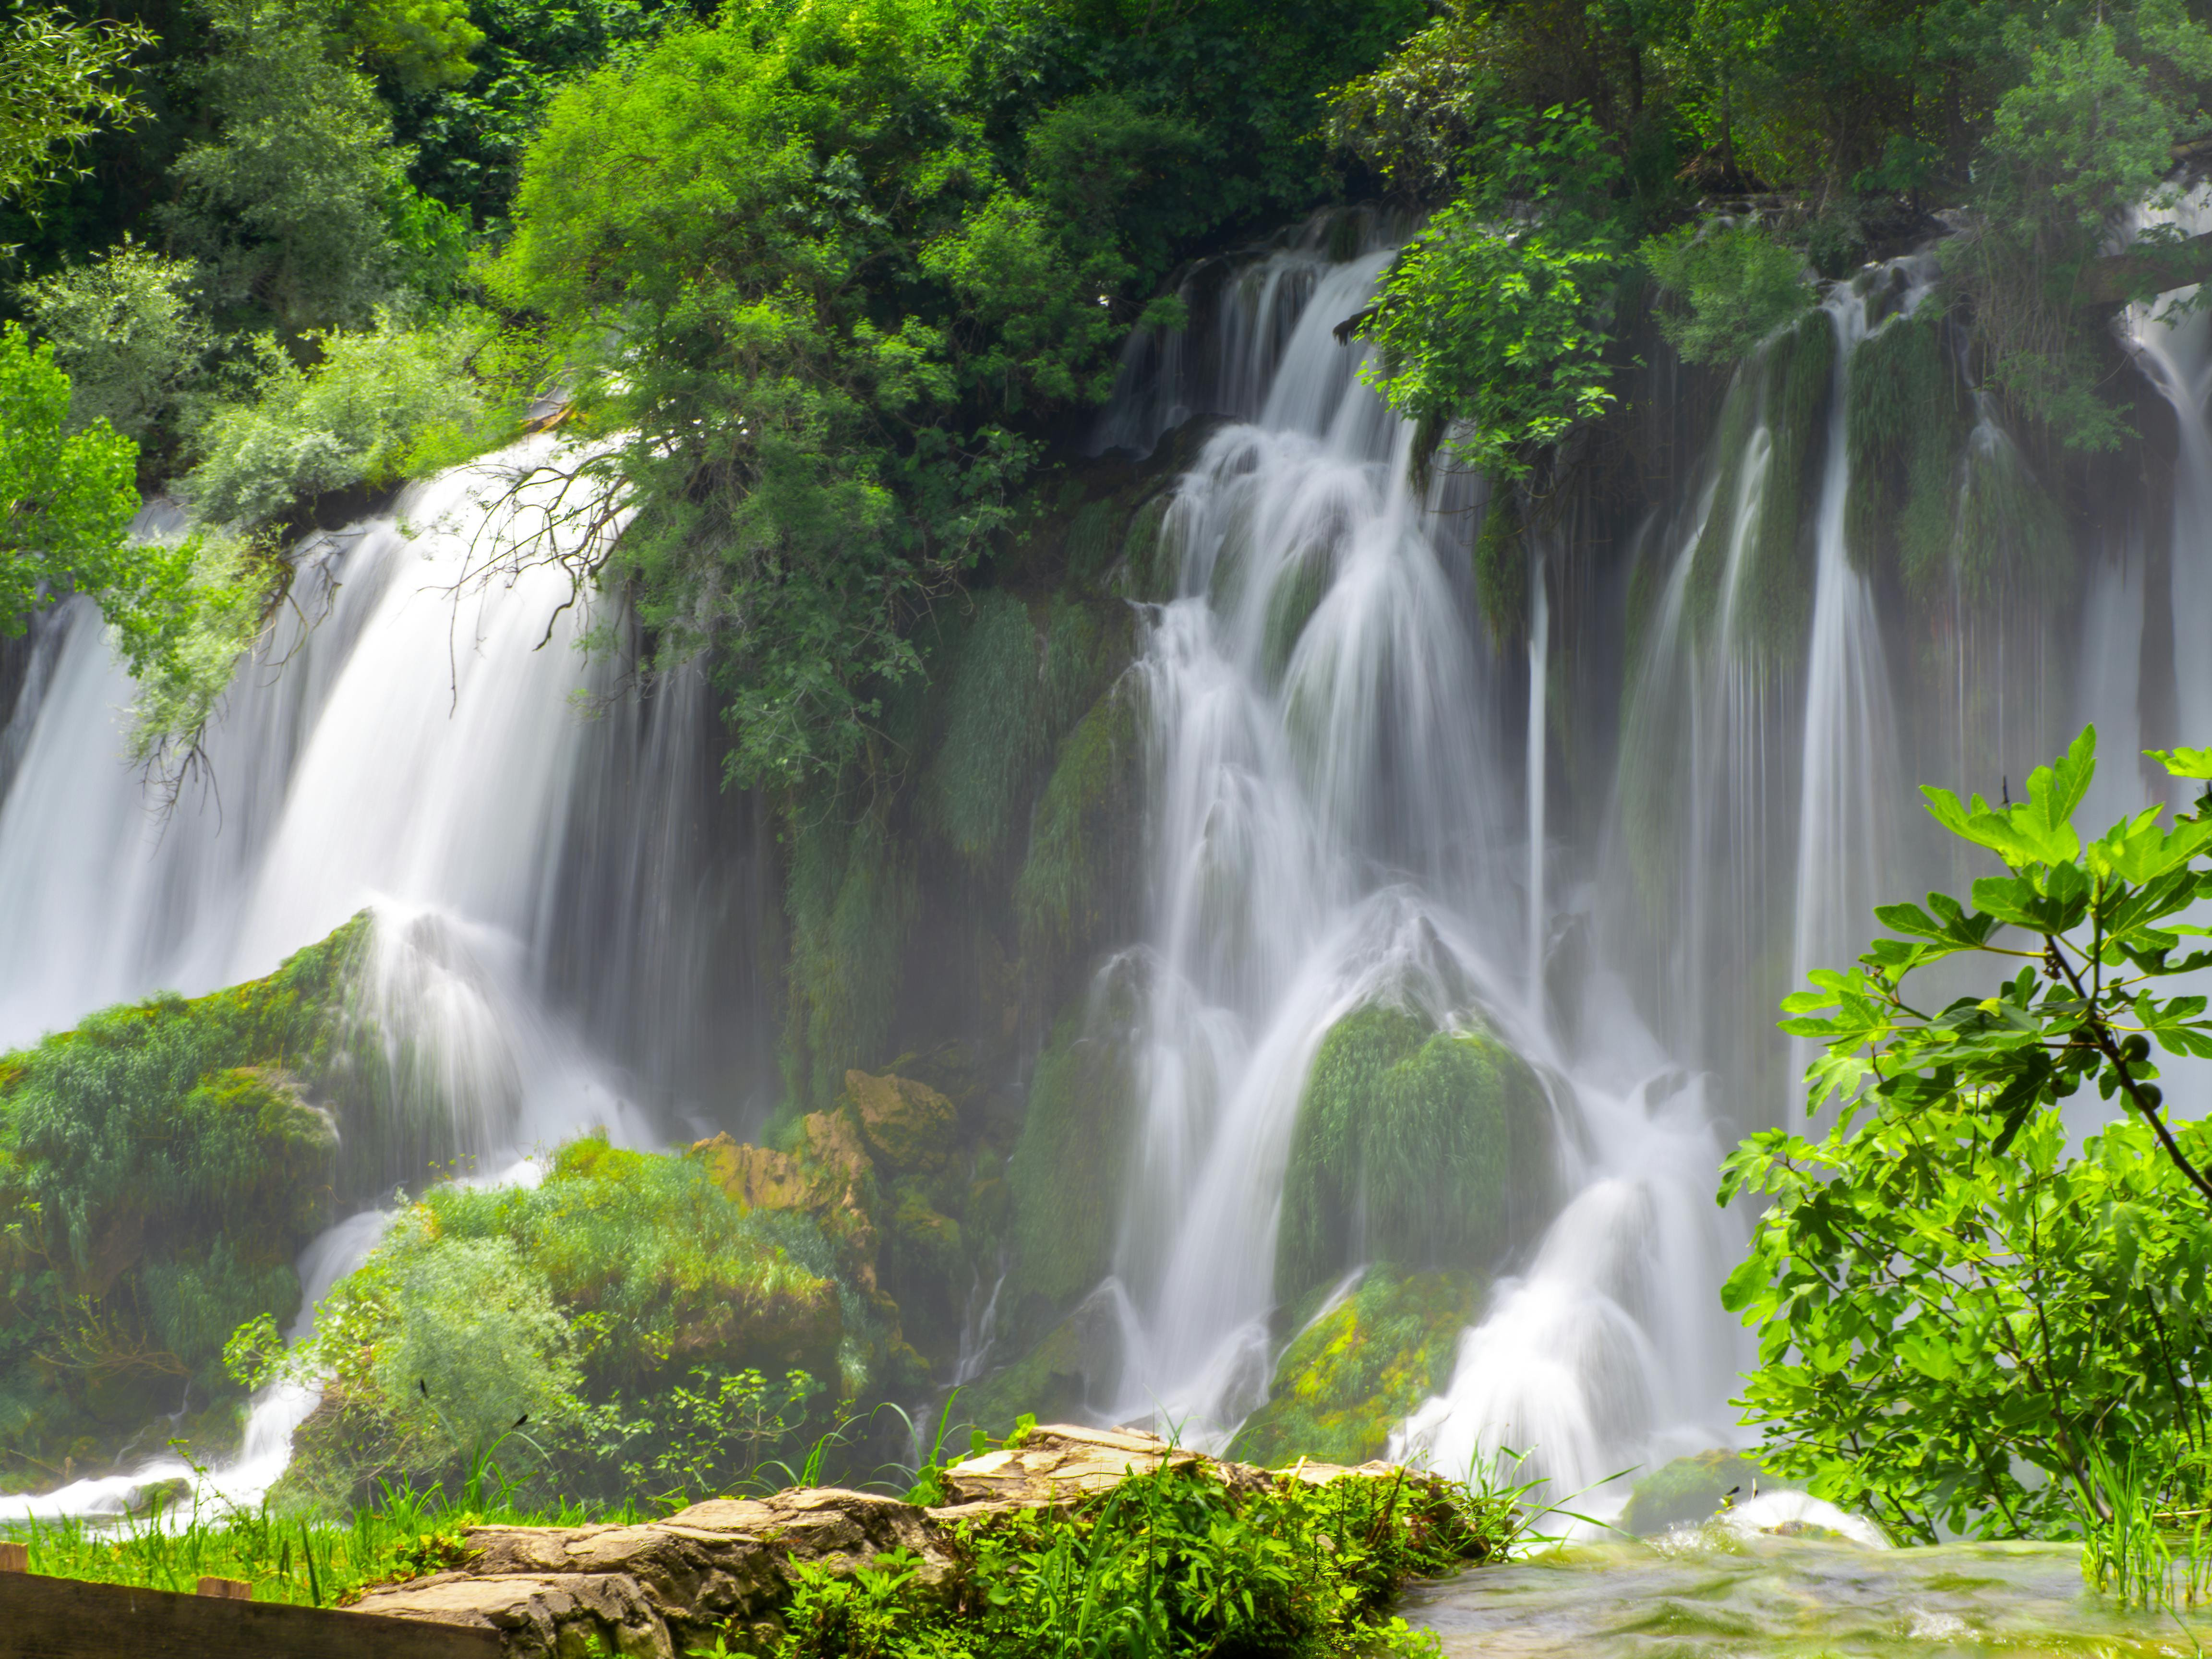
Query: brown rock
x=656, y=1591
x=907, y=1124
x=758, y=1178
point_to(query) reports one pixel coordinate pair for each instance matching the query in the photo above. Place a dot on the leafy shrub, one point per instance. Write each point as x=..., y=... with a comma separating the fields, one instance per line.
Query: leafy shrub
x=624, y=1306
x=1738, y=283
x=1174, y=1562
x=177, y=693
x=127, y=330
x=66, y=503
x=1963, y=1324
x=1494, y=322
x=350, y=418
x=475, y=1345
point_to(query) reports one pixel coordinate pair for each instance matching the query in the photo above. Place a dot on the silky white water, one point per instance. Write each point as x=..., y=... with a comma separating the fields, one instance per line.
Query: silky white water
x=419, y=742
x=1335, y=821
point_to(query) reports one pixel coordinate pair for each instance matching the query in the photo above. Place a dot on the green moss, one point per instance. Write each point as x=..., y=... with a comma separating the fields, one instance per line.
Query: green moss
x=1908, y=421
x=1049, y=1383
x=1741, y=411
x=623, y=1280
x=1082, y=834
x=991, y=730
x=2008, y=531
x=1501, y=568
x=1297, y=594
x=1774, y=595
x=1067, y=1172
x=1688, y=1490
x=161, y=1167
x=1404, y=1148
x=1355, y=1373
x=1152, y=560
x=851, y=898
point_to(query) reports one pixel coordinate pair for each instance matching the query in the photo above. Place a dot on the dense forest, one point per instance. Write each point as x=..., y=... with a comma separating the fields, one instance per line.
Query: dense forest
x=808, y=344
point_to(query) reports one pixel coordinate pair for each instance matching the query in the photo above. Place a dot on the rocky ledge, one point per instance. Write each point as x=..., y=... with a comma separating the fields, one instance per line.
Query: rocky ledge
x=655, y=1591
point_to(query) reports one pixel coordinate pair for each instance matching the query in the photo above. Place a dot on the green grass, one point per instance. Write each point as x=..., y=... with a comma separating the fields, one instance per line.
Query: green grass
x=302, y=1562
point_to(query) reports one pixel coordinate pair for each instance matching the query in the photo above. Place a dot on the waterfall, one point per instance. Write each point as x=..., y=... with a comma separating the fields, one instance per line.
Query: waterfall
x=1333, y=803
x=528, y=828
x=1850, y=786
x=562, y=906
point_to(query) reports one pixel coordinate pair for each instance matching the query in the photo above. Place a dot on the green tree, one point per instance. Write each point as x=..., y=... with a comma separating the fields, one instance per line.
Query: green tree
x=128, y=330
x=291, y=207
x=69, y=499
x=57, y=88
x=1946, y=1295
x=1493, y=323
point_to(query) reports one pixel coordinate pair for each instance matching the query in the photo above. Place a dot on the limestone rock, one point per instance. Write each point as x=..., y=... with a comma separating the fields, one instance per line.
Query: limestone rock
x=908, y=1125
x=658, y=1590
x=757, y=1177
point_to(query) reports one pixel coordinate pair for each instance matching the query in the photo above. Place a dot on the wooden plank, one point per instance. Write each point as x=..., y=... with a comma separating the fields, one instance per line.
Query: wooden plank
x=43, y=1618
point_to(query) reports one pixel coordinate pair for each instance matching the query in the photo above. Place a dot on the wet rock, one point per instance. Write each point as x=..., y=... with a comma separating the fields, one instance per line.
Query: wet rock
x=1690, y=1489
x=908, y=1125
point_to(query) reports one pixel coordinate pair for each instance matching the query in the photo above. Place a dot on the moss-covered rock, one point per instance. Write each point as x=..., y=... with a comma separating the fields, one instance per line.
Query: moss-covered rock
x=1354, y=1373
x=1688, y=1490
x=906, y=1125
x=1051, y=1379
x=1082, y=836
x=1409, y=1144
x=623, y=1288
x=1067, y=1170
x=161, y=1167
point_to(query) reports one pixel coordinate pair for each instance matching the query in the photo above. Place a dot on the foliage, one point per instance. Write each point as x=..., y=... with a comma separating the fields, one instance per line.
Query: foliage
x=351, y=418
x=470, y=138
x=1174, y=1562
x=56, y=89
x=227, y=588
x=127, y=330
x=1946, y=1295
x=860, y=259
x=1494, y=322
x=420, y=44
x=1359, y=1369
x=291, y=207
x=2086, y=134
x=609, y=1329
x=161, y=1167
x=1404, y=1148
x=1739, y=283
x=68, y=502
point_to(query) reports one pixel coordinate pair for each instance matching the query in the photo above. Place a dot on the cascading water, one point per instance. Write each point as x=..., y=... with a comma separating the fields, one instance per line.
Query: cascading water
x=1332, y=824
x=531, y=833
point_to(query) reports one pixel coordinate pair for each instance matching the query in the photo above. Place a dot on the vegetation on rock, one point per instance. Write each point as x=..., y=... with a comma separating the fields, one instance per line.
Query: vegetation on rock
x=161, y=1167
x=1359, y=1369
x=1411, y=1142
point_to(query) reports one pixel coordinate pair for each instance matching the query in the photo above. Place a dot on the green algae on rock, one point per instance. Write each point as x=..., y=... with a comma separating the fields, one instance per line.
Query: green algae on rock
x=161, y=1167
x=1409, y=1145
x=1691, y=1489
x=1360, y=1368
